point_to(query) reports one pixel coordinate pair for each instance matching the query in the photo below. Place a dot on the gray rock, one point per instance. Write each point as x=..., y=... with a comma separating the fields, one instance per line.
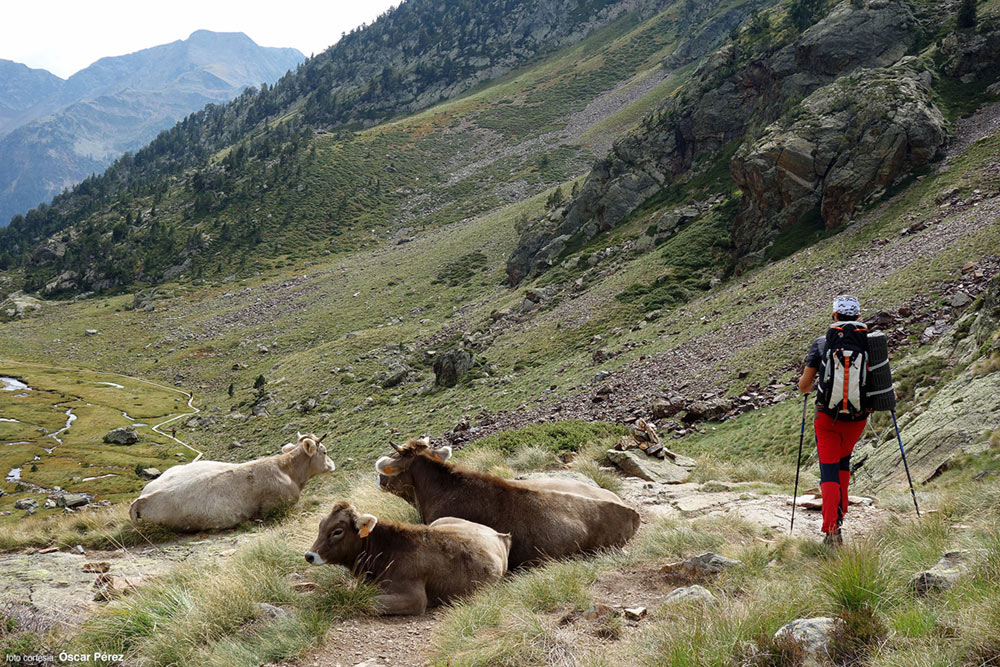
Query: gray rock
x=703, y=565
x=123, y=435
x=666, y=408
x=851, y=141
x=712, y=409
x=72, y=500
x=274, y=612
x=449, y=367
x=960, y=299
x=812, y=634
x=235, y=444
x=50, y=504
x=90, y=332
x=945, y=573
x=719, y=103
x=694, y=593
x=26, y=504
x=150, y=473
x=393, y=375
x=634, y=462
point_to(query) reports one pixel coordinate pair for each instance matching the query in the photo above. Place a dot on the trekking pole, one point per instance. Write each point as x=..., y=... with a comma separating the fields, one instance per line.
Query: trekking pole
x=906, y=467
x=798, y=461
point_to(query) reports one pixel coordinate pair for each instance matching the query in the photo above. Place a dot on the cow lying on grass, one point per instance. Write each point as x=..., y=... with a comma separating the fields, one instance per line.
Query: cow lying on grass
x=546, y=518
x=211, y=495
x=414, y=565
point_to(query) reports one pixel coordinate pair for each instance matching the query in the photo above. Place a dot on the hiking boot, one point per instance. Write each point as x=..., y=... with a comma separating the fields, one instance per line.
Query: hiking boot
x=833, y=540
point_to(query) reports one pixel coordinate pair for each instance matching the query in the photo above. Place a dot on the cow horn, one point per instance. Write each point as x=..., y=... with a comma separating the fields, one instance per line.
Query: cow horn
x=323, y=438
x=395, y=446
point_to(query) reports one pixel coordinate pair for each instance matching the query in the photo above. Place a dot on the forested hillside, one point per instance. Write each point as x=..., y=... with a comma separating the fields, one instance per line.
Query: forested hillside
x=413, y=56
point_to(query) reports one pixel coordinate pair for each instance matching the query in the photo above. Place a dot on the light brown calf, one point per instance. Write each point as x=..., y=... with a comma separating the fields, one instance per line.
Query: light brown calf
x=414, y=565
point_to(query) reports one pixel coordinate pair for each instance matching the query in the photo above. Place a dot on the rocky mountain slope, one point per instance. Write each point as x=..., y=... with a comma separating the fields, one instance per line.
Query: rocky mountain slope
x=811, y=126
x=64, y=131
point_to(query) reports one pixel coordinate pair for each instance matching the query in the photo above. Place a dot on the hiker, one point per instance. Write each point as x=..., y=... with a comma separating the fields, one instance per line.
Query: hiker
x=173, y=433
x=838, y=363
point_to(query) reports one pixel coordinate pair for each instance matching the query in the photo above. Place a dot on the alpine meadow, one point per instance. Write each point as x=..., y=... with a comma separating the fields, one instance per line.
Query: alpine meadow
x=553, y=277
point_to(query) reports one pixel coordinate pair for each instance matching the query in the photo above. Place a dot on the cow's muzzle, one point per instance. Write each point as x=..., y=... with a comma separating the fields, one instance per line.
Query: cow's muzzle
x=314, y=558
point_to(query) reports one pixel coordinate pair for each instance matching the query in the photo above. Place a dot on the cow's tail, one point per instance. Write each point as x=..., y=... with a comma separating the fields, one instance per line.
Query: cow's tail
x=133, y=509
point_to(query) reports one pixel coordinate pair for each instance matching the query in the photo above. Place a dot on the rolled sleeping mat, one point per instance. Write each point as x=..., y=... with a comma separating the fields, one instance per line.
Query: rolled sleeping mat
x=881, y=397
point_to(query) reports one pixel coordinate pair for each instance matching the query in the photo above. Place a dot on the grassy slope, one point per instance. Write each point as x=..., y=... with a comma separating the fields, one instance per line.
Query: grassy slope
x=98, y=408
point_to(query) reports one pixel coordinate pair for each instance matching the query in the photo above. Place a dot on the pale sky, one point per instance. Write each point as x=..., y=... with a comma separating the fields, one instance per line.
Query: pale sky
x=64, y=36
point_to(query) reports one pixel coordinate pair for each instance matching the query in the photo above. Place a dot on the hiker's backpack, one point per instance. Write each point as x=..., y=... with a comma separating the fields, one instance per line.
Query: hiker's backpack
x=845, y=371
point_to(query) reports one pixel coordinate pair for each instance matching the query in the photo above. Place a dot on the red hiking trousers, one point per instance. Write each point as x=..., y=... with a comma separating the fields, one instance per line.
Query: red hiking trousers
x=835, y=441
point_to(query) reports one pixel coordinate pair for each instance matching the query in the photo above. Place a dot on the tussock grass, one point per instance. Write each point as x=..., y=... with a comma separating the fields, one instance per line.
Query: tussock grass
x=603, y=478
x=513, y=623
x=857, y=578
x=105, y=528
x=213, y=616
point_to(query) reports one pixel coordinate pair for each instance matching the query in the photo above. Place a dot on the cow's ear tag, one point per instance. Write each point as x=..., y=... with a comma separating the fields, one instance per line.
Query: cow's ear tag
x=384, y=466
x=368, y=523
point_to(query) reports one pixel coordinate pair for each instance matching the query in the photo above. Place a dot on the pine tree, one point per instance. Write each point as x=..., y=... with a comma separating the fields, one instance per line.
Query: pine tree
x=259, y=382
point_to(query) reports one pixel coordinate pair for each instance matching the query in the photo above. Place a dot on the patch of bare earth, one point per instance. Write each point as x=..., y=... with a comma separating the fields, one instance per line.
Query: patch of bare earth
x=397, y=641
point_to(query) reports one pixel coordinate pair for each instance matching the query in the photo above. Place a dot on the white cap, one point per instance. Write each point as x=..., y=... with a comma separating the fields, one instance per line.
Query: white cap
x=848, y=305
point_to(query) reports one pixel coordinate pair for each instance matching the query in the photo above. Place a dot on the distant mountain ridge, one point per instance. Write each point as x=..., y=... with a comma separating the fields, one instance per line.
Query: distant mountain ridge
x=54, y=132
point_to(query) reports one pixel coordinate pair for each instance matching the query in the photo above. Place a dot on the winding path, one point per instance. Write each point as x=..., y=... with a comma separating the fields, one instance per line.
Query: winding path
x=156, y=428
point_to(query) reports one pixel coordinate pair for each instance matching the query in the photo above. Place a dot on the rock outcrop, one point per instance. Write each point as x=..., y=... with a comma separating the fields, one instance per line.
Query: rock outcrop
x=731, y=92
x=851, y=139
x=449, y=367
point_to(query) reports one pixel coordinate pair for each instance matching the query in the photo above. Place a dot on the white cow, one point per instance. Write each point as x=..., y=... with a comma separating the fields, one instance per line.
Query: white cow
x=211, y=495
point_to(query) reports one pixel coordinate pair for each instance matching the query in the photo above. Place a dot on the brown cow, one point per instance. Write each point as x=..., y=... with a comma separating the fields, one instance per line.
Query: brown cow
x=212, y=495
x=414, y=565
x=543, y=522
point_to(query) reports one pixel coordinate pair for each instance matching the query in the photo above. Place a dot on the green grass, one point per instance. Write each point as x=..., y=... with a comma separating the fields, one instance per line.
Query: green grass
x=98, y=408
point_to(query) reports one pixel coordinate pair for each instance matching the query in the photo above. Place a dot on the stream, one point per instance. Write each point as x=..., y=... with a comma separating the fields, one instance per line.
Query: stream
x=12, y=384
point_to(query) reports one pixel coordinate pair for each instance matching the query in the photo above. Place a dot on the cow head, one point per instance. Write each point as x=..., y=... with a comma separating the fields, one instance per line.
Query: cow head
x=314, y=451
x=341, y=535
x=394, y=471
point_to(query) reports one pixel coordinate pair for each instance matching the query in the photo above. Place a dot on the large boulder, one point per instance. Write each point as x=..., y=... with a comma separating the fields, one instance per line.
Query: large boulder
x=393, y=374
x=123, y=435
x=850, y=140
x=18, y=305
x=450, y=366
x=956, y=421
x=636, y=463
